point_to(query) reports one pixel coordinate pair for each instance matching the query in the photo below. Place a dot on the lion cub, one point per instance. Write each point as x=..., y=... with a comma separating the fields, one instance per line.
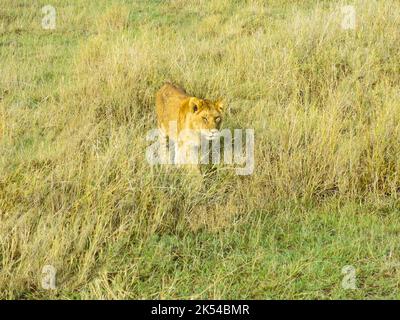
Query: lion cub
x=186, y=120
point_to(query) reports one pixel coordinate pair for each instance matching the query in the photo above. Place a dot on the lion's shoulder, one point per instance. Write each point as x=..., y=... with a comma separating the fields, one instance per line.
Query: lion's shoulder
x=169, y=89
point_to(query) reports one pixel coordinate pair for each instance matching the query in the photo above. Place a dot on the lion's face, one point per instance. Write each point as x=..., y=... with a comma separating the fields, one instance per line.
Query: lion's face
x=205, y=117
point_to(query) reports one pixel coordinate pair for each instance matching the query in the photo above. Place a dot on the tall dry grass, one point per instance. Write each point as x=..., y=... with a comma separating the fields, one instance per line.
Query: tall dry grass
x=75, y=185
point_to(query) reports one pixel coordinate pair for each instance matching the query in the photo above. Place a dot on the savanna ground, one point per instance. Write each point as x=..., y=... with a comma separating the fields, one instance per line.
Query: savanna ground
x=77, y=193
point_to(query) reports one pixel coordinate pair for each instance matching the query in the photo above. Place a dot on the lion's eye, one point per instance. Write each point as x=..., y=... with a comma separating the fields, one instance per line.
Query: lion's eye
x=205, y=119
x=217, y=119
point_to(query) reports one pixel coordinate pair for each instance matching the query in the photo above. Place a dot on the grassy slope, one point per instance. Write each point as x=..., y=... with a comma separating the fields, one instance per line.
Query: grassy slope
x=77, y=193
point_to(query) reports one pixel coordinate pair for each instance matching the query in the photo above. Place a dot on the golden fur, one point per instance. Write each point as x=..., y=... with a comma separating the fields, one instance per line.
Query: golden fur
x=174, y=104
x=191, y=116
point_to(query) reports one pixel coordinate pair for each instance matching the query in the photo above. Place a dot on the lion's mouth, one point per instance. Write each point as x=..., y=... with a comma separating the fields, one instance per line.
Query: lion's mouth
x=211, y=135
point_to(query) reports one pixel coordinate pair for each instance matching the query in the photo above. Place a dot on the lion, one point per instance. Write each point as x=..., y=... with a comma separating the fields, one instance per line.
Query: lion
x=185, y=120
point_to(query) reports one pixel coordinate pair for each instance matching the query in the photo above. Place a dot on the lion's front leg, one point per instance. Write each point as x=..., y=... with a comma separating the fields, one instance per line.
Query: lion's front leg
x=164, y=150
x=188, y=155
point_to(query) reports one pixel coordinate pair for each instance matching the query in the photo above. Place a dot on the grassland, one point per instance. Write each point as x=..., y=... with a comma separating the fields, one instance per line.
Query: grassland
x=77, y=193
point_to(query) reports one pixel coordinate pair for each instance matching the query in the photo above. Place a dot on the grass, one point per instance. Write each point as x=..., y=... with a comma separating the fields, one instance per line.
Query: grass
x=77, y=193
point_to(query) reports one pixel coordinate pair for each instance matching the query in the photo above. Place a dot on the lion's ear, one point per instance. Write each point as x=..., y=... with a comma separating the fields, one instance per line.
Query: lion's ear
x=220, y=105
x=194, y=104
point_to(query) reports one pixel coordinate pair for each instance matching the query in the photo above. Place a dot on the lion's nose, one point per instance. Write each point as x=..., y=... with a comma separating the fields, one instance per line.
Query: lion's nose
x=214, y=131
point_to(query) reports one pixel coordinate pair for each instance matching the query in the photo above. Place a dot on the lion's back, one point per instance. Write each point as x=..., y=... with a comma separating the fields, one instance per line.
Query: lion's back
x=169, y=99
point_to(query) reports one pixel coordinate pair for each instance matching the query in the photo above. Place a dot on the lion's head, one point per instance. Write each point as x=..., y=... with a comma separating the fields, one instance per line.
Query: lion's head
x=205, y=116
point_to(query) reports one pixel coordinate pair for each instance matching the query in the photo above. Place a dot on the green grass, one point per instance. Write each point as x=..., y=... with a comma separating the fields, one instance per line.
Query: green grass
x=77, y=193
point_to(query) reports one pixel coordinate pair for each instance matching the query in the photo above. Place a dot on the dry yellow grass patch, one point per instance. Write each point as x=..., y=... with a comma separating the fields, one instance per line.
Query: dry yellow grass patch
x=77, y=192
